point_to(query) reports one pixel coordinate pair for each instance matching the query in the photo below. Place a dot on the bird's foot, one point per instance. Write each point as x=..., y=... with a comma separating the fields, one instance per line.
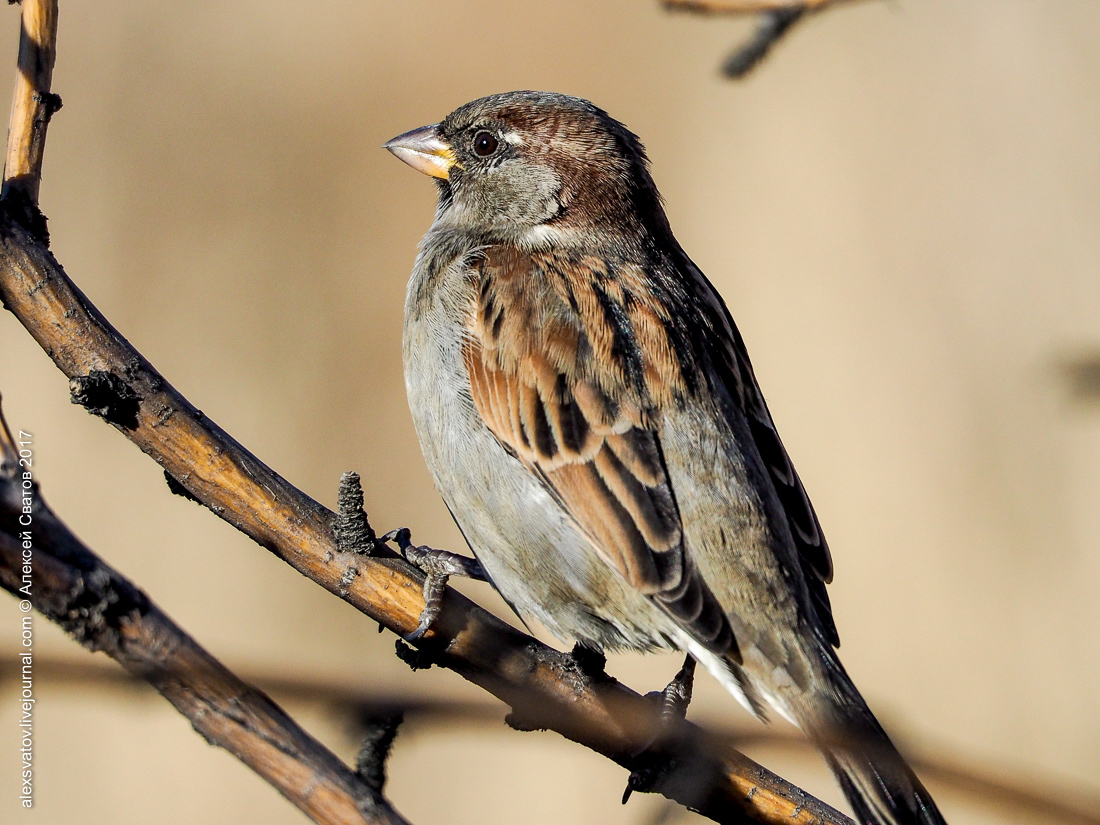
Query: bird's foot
x=676, y=696
x=438, y=566
x=674, y=701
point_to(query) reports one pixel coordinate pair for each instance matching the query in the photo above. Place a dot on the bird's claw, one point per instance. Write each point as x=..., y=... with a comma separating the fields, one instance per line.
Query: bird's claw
x=438, y=566
x=674, y=701
x=402, y=536
x=676, y=696
x=427, y=619
x=642, y=780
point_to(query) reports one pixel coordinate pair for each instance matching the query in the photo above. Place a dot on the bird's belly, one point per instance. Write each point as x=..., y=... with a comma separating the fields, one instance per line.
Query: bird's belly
x=538, y=559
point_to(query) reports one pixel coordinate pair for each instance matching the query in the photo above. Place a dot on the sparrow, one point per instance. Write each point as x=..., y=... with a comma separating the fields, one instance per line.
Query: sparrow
x=589, y=414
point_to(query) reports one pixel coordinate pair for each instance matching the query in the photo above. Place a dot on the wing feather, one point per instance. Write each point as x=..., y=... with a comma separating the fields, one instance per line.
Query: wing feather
x=582, y=425
x=814, y=560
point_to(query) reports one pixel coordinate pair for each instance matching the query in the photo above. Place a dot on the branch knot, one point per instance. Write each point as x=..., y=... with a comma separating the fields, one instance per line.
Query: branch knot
x=350, y=527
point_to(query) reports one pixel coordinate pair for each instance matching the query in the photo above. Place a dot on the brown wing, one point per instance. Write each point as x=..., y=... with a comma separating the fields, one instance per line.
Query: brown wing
x=582, y=423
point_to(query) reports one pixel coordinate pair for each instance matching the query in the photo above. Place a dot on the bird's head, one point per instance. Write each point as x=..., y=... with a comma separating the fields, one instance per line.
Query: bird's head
x=534, y=168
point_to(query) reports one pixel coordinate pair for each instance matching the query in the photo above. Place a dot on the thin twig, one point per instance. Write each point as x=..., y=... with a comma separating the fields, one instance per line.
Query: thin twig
x=775, y=20
x=771, y=28
x=735, y=7
x=104, y=611
x=32, y=107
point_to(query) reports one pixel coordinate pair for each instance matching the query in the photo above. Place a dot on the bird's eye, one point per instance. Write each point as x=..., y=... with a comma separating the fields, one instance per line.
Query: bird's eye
x=485, y=144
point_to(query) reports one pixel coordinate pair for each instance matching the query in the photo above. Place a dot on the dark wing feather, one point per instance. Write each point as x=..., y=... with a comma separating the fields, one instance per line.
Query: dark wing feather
x=581, y=423
x=728, y=352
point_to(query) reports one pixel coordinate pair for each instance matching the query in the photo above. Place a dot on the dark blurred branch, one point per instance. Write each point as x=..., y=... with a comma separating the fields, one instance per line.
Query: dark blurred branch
x=345, y=701
x=379, y=732
x=1082, y=376
x=1038, y=796
x=738, y=7
x=545, y=688
x=70, y=585
x=770, y=29
x=775, y=18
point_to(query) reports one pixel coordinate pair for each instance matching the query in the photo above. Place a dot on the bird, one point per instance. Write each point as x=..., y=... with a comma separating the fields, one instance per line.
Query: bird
x=588, y=412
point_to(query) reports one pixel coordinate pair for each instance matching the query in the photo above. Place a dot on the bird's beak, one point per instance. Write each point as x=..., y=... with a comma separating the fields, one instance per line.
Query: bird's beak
x=425, y=151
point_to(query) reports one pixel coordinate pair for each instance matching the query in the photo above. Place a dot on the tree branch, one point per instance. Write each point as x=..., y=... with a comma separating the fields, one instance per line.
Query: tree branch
x=746, y=6
x=1028, y=796
x=775, y=19
x=545, y=688
x=70, y=585
x=32, y=107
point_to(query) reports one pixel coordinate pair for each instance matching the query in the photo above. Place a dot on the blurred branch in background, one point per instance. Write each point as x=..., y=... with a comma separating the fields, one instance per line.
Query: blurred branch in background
x=775, y=18
x=1082, y=377
x=546, y=689
x=68, y=584
x=355, y=708
x=380, y=729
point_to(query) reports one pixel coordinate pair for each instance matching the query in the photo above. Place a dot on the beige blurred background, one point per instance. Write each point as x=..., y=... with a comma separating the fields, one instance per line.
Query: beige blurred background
x=901, y=207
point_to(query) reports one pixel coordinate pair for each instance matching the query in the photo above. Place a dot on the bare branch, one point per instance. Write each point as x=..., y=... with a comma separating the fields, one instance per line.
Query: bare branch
x=32, y=107
x=545, y=688
x=771, y=28
x=104, y=611
x=746, y=6
x=352, y=702
x=775, y=19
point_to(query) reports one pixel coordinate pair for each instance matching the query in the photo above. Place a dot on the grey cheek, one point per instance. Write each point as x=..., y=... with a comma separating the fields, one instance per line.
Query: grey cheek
x=531, y=211
x=541, y=204
x=522, y=194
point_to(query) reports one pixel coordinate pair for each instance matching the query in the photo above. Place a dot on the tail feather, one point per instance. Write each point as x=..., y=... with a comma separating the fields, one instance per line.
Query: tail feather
x=880, y=786
x=878, y=783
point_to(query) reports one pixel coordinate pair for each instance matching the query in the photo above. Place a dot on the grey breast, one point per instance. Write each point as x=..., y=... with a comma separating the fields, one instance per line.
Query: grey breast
x=536, y=556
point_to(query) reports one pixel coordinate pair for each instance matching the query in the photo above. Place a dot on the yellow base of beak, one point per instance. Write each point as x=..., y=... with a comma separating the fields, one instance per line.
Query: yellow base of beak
x=425, y=151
